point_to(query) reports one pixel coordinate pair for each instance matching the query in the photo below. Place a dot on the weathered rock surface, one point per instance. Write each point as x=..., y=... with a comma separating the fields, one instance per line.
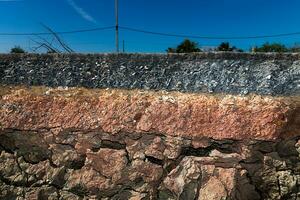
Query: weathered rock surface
x=117, y=144
x=234, y=73
x=117, y=170
x=174, y=114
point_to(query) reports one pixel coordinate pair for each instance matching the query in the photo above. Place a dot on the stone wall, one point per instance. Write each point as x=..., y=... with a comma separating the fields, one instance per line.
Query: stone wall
x=129, y=142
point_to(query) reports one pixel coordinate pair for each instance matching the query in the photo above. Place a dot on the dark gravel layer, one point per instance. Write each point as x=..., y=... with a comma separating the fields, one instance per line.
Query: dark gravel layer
x=236, y=73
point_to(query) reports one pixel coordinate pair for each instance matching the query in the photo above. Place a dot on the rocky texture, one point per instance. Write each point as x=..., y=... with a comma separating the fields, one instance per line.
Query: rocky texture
x=71, y=143
x=235, y=73
x=76, y=143
x=167, y=113
x=50, y=164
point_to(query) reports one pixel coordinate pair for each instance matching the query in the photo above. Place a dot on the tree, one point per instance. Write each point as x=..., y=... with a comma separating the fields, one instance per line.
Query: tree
x=295, y=48
x=225, y=46
x=274, y=47
x=171, y=50
x=186, y=46
x=17, y=49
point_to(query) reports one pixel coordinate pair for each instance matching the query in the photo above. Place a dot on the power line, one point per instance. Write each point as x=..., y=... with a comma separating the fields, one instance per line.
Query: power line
x=60, y=32
x=152, y=32
x=207, y=37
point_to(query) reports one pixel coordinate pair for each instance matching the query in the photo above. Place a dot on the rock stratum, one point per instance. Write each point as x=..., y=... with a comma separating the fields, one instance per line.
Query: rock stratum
x=100, y=140
x=231, y=73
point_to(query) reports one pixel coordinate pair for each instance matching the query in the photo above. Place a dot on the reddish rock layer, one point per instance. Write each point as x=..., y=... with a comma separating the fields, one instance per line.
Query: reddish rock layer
x=167, y=113
x=116, y=144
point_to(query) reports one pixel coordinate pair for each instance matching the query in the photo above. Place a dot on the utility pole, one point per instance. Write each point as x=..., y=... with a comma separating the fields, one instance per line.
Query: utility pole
x=123, y=46
x=117, y=24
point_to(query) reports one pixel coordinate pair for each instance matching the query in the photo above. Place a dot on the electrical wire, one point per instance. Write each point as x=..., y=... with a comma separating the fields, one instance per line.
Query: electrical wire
x=153, y=33
x=207, y=37
x=60, y=32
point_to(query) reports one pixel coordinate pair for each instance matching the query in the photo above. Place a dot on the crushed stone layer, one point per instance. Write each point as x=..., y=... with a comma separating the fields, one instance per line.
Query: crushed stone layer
x=231, y=73
x=186, y=115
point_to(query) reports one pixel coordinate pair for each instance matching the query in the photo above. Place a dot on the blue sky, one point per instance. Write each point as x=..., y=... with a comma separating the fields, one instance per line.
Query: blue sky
x=192, y=17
